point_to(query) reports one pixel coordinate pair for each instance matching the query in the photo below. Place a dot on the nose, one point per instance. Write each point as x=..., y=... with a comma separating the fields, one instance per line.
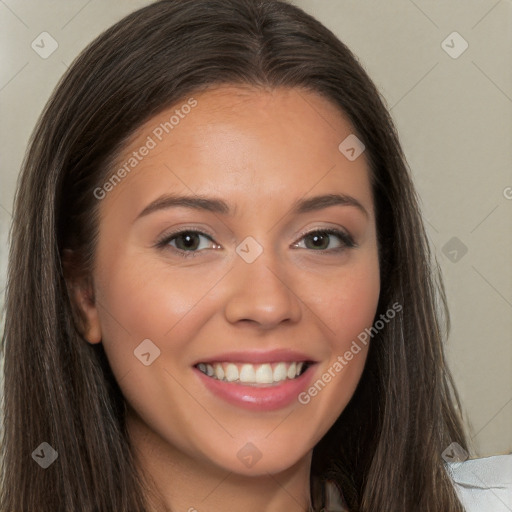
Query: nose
x=262, y=293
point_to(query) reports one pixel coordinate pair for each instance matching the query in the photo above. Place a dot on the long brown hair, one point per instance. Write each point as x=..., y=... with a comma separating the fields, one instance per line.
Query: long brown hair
x=384, y=451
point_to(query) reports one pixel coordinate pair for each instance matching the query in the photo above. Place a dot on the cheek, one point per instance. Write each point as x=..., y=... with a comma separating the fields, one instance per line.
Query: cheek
x=356, y=305
x=347, y=309
x=144, y=299
x=347, y=301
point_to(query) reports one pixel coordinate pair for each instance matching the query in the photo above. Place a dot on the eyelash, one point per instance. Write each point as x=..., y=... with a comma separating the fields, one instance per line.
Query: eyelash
x=346, y=240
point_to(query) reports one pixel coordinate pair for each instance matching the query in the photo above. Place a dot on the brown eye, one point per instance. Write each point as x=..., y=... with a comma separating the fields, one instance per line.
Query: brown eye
x=187, y=243
x=320, y=240
x=188, y=240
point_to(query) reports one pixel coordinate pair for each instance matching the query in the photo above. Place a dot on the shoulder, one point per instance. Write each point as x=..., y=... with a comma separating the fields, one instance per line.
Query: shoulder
x=484, y=485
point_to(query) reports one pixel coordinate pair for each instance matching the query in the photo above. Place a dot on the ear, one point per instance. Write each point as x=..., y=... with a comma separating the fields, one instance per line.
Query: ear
x=83, y=304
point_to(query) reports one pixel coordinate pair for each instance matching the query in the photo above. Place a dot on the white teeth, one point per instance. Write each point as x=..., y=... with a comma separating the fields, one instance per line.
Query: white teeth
x=219, y=371
x=292, y=371
x=247, y=373
x=264, y=374
x=252, y=374
x=231, y=373
x=280, y=372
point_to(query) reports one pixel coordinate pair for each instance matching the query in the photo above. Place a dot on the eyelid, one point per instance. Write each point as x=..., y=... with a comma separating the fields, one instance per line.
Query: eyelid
x=182, y=229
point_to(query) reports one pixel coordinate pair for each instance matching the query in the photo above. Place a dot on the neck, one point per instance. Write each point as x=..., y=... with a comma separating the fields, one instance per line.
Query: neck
x=178, y=482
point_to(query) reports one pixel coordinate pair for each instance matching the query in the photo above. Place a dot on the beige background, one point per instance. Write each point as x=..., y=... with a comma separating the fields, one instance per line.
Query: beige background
x=454, y=119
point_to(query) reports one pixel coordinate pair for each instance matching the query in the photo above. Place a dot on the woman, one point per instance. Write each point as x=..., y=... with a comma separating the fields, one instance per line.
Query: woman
x=177, y=336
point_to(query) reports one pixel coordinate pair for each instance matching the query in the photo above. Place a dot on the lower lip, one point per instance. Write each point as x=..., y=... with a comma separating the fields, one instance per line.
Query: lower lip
x=269, y=398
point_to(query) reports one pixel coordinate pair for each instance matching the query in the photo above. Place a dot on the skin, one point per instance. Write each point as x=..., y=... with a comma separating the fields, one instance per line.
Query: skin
x=259, y=150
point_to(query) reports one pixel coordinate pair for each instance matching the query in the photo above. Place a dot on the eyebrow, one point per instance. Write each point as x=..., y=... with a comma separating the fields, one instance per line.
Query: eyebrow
x=214, y=205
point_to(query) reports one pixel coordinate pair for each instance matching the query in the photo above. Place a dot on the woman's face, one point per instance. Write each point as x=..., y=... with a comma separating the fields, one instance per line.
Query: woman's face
x=219, y=252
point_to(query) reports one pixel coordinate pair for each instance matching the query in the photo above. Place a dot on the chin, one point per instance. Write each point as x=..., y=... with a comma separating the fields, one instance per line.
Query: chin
x=253, y=461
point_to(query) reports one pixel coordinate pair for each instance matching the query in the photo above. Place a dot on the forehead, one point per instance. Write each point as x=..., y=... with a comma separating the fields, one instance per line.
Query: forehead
x=243, y=143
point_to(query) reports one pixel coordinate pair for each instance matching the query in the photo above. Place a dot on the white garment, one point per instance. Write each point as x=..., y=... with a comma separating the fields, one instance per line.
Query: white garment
x=484, y=485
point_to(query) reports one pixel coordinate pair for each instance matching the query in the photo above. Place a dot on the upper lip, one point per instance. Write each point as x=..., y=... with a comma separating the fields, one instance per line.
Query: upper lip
x=258, y=357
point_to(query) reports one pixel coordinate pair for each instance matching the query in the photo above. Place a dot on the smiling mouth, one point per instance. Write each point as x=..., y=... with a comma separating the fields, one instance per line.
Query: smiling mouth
x=254, y=374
